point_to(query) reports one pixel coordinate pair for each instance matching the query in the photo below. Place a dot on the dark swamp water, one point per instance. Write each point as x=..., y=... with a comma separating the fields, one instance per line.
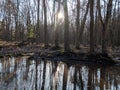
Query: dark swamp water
x=20, y=74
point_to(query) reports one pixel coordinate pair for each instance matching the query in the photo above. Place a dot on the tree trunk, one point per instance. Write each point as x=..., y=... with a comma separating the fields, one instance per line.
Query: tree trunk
x=105, y=23
x=57, y=28
x=66, y=27
x=38, y=22
x=45, y=24
x=108, y=16
x=118, y=26
x=91, y=26
x=103, y=39
x=16, y=22
x=77, y=24
x=83, y=22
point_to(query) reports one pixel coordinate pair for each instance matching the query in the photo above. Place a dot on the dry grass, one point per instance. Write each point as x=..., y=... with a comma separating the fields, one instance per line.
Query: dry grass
x=5, y=43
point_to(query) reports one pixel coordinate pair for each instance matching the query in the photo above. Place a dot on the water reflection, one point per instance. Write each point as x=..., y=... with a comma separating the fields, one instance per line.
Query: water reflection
x=20, y=74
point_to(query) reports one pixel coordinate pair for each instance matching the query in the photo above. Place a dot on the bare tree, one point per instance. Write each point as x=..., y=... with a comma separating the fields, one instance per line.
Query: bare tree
x=38, y=20
x=82, y=25
x=16, y=21
x=91, y=26
x=105, y=23
x=78, y=24
x=57, y=27
x=66, y=27
x=45, y=24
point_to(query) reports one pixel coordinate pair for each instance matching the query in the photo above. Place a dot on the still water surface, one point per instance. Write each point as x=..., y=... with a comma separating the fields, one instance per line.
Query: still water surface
x=20, y=74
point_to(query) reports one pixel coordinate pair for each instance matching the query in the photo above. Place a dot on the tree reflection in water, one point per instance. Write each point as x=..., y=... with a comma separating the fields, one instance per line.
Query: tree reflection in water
x=20, y=74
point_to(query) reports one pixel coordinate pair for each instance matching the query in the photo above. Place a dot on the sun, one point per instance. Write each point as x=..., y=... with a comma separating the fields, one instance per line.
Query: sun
x=60, y=15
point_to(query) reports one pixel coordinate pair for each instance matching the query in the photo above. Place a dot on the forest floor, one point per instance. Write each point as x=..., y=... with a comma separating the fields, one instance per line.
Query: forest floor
x=38, y=51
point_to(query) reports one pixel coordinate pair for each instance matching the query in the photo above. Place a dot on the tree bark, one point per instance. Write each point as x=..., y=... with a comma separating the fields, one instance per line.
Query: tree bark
x=83, y=21
x=81, y=28
x=38, y=22
x=66, y=27
x=105, y=23
x=45, y=24
x=57, y=28
x=77, y=24
x=91, y=26
x=16, y=23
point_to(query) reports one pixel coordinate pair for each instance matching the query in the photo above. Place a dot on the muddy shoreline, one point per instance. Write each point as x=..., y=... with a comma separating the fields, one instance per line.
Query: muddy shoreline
x=73, y=57
x=37, y=52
